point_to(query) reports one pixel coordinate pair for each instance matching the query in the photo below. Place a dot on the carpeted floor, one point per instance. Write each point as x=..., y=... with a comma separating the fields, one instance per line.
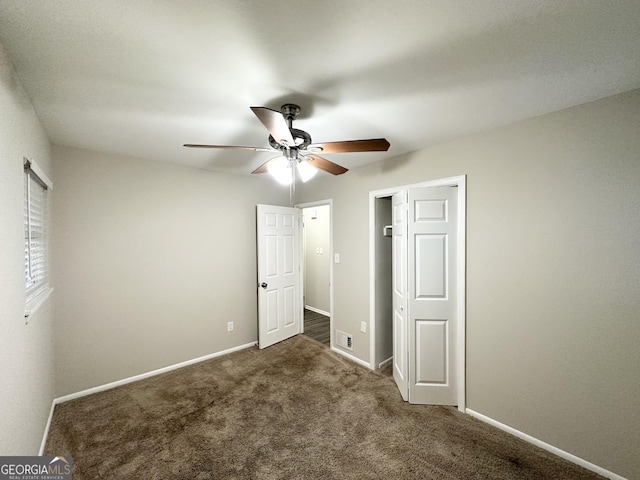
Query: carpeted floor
x=295, y=410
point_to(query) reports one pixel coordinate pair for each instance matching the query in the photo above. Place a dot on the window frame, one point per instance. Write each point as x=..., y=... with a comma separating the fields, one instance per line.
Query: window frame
x=36, y=235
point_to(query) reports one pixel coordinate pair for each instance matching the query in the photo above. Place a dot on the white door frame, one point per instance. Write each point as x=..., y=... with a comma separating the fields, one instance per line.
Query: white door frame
x=459, y=181
x=319, y=203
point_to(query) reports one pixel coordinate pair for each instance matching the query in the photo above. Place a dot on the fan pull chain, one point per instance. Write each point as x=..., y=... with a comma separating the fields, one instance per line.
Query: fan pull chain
x=292, y=186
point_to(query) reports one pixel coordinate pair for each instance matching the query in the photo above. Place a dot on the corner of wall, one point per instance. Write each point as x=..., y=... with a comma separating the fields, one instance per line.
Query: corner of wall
x=26, y=356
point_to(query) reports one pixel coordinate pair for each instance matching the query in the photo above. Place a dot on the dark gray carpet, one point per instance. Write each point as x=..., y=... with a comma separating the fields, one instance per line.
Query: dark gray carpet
x=317, y=326
x=295, y=410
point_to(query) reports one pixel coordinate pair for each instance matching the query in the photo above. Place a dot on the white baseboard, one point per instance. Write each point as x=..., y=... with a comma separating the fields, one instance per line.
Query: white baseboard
x=46, y=428
x=317, y=310
x=384, y=363
x=550, y=448
x=153, y=373
x=351, y=357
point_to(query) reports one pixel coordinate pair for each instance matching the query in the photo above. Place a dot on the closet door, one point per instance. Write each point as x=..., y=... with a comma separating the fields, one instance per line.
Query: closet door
x=399, y=285
x=431, y=299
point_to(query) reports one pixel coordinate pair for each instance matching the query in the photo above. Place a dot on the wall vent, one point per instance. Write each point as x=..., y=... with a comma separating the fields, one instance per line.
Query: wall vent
x=344, y=340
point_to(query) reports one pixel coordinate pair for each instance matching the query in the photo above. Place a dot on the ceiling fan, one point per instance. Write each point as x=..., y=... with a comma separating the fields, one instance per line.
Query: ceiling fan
x=296, y=148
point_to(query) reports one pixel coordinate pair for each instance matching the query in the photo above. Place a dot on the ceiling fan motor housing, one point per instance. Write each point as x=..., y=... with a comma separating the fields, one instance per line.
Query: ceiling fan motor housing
x=301, y=138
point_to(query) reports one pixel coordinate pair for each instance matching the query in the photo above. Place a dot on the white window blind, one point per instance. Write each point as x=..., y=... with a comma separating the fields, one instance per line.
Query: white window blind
x=36, y=269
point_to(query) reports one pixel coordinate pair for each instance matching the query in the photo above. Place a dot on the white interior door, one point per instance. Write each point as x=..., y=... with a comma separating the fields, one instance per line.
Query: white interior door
x=279, y=277
x=432, y=319
x=399, y=285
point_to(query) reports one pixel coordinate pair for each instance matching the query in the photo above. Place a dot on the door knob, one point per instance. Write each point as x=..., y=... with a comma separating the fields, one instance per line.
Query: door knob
x=263, y=285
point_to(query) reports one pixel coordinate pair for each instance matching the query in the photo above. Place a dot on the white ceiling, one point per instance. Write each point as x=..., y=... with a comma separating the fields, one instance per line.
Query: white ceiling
x=142, y=77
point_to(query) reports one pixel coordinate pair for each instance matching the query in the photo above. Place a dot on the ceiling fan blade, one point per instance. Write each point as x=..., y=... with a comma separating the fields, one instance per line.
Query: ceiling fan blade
x=372, y=145
x=276, y=124
x=234, y=147
x=326, y=165
x=263, y=168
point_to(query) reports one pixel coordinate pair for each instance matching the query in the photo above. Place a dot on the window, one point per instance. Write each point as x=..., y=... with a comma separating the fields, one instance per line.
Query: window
x=36, y=185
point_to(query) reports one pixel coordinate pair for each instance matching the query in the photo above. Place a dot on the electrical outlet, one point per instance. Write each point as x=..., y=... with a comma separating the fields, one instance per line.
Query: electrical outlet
x=229, y=326
x=363, y=327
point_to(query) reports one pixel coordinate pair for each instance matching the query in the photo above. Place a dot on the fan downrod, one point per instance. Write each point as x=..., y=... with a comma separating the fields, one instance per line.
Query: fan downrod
x=290, y=112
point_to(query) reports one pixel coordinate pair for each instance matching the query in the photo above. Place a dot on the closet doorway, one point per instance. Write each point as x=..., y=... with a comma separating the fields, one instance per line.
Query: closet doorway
x=417, y=288
x=317, y=269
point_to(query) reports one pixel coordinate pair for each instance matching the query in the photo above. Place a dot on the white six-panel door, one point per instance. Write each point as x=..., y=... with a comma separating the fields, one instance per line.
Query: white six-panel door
x=279, y=276
x=399, y=286
x=424, y=283
x=432, y=307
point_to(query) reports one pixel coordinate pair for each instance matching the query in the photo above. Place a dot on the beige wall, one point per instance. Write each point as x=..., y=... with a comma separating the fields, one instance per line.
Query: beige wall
x=553, y=270
x=152, y=260
x=26, y=361
x=317, y=265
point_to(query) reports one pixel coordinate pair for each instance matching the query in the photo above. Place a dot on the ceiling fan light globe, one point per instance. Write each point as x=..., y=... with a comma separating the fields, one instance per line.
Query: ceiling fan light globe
x=306, y=171
x=280, y=170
